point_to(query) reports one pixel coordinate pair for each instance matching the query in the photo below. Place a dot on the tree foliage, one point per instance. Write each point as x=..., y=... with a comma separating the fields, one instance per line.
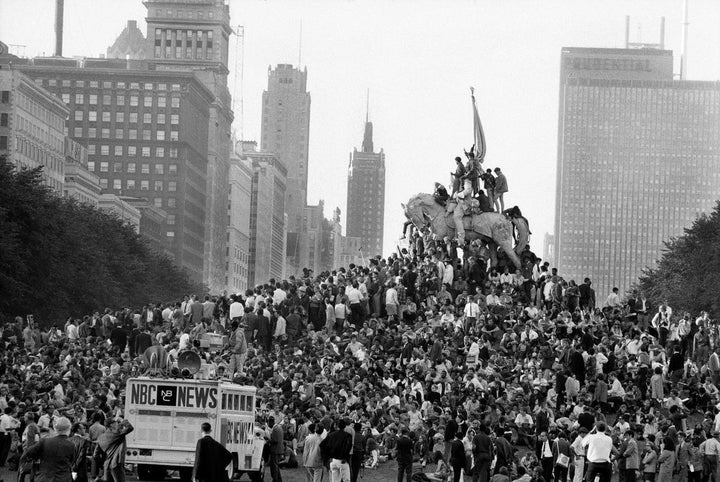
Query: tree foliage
x=61, y=258
x=688, y=273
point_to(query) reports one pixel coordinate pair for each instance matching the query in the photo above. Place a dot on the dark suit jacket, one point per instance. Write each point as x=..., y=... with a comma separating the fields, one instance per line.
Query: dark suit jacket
x=211, y=458
x=56, y=456
x=404, y=450
x=457, y=453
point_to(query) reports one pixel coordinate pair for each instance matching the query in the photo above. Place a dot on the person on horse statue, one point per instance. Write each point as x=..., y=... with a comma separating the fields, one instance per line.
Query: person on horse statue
x=458, y=175
x=441, y=195
x=472, y=170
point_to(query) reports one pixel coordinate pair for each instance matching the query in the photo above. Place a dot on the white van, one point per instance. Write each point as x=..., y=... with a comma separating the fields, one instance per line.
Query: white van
x=167, y=414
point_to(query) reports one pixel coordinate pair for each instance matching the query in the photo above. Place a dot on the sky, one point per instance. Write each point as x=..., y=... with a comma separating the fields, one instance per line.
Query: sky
x=418, y=59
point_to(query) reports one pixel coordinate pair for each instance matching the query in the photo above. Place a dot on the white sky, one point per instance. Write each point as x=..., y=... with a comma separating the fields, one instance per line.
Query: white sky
x=418, y=58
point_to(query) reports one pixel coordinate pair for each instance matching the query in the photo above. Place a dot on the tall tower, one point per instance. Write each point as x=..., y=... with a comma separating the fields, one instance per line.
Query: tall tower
x=366, y=194
x=638, y=160
x=194, y=36
x=285, y=132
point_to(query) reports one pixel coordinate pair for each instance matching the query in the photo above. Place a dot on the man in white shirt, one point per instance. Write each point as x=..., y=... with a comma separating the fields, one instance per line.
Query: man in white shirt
x=578, y=455
x=613, y=299
x=616, y=393
x=598, y=451
x=236, y=309
x=279, y=295
x=471, y=311
x=391, y=302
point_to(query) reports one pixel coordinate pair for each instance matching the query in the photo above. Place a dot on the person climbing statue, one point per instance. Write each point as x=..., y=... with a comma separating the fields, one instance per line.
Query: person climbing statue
x=441, y=195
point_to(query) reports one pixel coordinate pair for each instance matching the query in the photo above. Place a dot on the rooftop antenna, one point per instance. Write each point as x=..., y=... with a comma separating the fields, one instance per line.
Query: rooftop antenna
x=683, y=49
x=300, y=47
x=367, y=106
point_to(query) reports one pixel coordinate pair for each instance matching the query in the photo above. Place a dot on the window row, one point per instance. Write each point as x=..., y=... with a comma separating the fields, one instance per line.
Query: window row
x=132, y=100
x=132, y=167
x=132, y=117
x=143, y=185
x=95, y=84
x=132, y=134
x=132, y=151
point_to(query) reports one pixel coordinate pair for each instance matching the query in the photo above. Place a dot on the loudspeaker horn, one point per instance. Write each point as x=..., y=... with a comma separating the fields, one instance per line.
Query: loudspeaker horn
x=190, y=361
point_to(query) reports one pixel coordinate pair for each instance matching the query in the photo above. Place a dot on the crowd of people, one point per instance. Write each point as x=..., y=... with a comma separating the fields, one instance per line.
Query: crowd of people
x=433, y=362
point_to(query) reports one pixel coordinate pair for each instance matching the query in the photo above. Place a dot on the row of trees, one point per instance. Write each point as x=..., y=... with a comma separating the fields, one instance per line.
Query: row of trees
x=61, y=258
x=688, y=273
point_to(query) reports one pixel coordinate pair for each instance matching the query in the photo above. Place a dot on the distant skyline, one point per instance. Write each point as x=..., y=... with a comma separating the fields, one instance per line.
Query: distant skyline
x=418, y=59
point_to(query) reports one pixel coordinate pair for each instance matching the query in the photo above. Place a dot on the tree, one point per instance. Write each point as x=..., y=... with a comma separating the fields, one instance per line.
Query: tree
x=61, y=258
x=688, y=273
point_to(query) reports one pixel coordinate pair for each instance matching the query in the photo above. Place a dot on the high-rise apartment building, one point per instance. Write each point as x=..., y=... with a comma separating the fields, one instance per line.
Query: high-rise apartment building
x=285, y=132
x=638, y=160
x=268, y=221
x=32, y=125
x=194, y=36
x=146, y=132
x=366, y=195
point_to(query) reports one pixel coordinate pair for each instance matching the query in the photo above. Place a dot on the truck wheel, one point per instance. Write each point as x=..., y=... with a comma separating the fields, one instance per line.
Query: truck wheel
x=185, y=474
x=151, y=472
x=259, y=475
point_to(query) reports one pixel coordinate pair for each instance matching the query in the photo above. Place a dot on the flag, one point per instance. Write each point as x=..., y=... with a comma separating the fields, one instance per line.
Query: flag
x=479, y=135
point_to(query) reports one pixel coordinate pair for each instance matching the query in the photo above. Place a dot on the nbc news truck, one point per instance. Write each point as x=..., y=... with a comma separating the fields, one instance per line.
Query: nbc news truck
x=167, y=414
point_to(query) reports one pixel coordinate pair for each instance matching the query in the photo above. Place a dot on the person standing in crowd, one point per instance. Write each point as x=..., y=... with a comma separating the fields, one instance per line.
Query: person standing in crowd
x=81, y=442
x=312, y=455
x=631, y=456
x=336, y=448
x=211, y=458
x=404, y=455
x=111, y=445
x=55, y=454
x=599, y=449
x=277, y=447
x=30, y=436
x=239, y=345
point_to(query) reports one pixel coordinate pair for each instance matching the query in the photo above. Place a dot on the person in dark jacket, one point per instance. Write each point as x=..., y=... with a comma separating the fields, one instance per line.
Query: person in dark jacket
x=336, y=449
x=55, y=454
x=404, y=455
x=143, y=341
x=82, y=443
x=211, y=458
x=483, y=454
x=457, y=457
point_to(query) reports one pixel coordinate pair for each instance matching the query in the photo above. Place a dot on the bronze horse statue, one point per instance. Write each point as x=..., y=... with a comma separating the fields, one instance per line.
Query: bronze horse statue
x=493, y=228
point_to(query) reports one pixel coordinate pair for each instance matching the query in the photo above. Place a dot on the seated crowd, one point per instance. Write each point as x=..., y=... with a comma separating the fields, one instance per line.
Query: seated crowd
x=418, y=345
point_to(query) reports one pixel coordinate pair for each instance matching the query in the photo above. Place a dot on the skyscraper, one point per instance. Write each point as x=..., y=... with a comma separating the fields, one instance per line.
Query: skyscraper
x=638, y=159
x=194, y=36
x=366, y=195
x=285, y=132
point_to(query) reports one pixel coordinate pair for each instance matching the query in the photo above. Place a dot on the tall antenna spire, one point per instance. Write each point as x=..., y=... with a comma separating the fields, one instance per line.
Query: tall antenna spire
x=367, y=107
x=300, y=47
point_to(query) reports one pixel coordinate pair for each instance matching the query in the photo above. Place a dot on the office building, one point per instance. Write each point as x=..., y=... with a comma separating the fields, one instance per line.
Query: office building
x=346, y=250
x=638, y=160
x=130, y=44
x=80, y=183
x=146, y=133
x=193, y=36
x=366, y=195
x=285, y=132
x=238, y=233
x=268, y=221
x=32, y=124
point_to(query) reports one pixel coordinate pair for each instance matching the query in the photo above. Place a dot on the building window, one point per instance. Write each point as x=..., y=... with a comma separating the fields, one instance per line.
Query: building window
x=132, y=151
x=131, y=167
x=157, y=202
x=160, y=135
x=145, y=185
x=130, y=184
x=104, y=166
x=117, y=184
x=91, y=149
x=160, y=152
x=147, y=118
x=91, y=166
x=147, y=135
x=174, y=119
x=106, y=116
x=159, y=168
x=133, y=117
x=161, y=118
x=79, y=83
x=171, y=219
x=92, y=132
x=105, y=133
x=119, y=133
x=118, y=150
x=107, y=99
x=132, y=134
x=172, y=169
x=133, y=101
x=3, y=143
x=78, y=115
x=79, y=99
x=104, y=150
x=173, y=152
x=145, y=169
x=147, y=101
x=92, y=99
x=120, y=99
x=103, y=183
x=158, y=185
x=65, y=98
x=173, y=135
x=92, y=116
x=117, y=166
x=172, y=186
x=171, y=202
x=175, y=102
x=135, y=85
x=171, y=234
x=119, y=116
x=162, y=101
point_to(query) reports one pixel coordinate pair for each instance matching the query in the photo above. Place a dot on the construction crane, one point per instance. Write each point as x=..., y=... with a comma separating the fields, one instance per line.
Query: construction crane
x=237, y=95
